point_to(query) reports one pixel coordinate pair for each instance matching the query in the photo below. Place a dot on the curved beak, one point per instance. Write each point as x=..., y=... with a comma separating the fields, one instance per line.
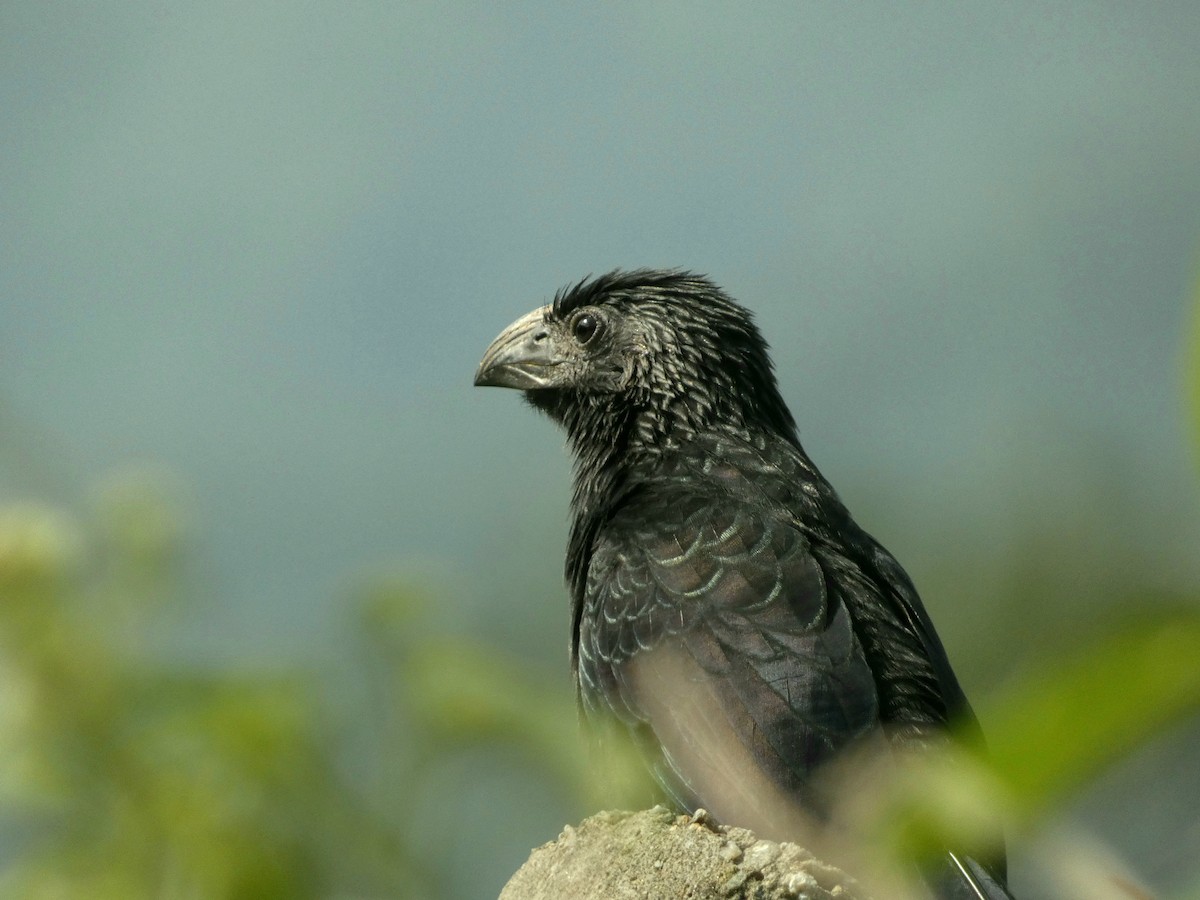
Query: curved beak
x=521, y=357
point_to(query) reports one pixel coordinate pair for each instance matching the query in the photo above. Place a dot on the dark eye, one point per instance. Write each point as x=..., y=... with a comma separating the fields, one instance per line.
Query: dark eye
x=585, y=327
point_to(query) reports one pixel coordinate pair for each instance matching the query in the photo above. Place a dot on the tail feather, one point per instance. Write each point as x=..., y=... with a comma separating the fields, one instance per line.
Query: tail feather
x=962, y=878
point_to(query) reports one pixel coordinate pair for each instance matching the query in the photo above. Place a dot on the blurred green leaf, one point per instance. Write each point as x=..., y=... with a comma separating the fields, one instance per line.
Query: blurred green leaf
x=458, y=692
x=1068, y=719
x=128, y=777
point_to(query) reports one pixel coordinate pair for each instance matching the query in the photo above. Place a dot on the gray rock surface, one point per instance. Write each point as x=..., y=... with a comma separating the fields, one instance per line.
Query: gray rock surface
x=655, y=855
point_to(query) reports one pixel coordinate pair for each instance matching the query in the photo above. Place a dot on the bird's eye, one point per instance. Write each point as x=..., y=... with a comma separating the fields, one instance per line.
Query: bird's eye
x=585, y=327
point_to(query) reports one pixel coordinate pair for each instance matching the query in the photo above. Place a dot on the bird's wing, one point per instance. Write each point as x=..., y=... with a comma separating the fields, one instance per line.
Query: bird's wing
x=918, y=690
x=714, y=627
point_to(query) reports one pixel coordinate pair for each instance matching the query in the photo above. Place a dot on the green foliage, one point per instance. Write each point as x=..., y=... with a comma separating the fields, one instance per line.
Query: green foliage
x=128, y=778
x=1069, y=718
x=1051, y=732
x=458, y=692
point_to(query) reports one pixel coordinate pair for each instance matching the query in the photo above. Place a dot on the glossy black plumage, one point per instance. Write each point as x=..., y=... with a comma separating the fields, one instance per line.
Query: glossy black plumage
x=726, y=607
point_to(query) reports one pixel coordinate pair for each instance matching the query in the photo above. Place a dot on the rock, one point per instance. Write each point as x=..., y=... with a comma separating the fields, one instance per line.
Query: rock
x=657, y=855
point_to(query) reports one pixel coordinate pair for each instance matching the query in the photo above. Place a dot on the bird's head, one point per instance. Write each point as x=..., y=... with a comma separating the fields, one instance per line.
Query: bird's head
x=668, y=350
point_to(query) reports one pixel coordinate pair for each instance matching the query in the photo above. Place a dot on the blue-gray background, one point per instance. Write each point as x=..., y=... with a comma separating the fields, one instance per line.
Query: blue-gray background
x=263, y=245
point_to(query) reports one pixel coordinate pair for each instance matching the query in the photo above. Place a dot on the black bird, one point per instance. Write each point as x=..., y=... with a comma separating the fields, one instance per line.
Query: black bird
x=726, y=607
